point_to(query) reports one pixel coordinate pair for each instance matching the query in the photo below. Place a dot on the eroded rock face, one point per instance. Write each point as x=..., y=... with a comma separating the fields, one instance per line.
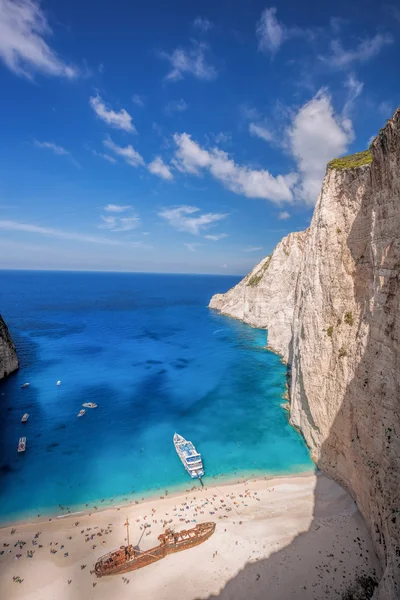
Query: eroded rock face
x=341, y=328
x=265, y=297
x=8, y=356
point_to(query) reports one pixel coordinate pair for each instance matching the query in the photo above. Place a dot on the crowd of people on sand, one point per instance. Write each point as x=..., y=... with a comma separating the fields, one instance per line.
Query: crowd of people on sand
x=191, y=510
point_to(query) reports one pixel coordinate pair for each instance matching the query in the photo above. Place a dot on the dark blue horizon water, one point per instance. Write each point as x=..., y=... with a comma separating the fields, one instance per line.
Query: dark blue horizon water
x=156, y=360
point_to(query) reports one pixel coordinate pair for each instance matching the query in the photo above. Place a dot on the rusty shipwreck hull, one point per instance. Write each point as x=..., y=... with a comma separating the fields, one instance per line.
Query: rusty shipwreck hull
x=128, y=558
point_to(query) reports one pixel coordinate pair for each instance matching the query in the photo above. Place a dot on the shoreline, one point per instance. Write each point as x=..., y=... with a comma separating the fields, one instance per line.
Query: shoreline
x=154, y=495
x=304, y=522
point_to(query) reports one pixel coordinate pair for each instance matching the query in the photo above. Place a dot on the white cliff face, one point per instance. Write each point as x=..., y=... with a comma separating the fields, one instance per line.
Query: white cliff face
x=8, y=356
x=341, y=328
x=265, y=297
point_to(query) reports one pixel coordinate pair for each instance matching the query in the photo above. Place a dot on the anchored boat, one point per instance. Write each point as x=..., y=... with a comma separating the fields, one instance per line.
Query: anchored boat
x=22, y=444
x=81, y=412
x=127, y=558
x=90, y=404
x=25, y=385
x=189, y=456
x=25, y=417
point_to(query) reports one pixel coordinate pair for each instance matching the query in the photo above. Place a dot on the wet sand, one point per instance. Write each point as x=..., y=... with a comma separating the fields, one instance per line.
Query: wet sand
x=291, y=537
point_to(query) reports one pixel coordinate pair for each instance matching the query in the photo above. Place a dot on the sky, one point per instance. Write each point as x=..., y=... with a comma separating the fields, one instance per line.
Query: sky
x=184, y=137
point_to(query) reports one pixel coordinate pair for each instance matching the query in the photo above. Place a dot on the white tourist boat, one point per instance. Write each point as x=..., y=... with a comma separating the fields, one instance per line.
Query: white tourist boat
x=25, y=385
x=22, y=444
x=89, y=404
x=189, y=456
x=58, y=382
x=25, y=417
x=81, y=412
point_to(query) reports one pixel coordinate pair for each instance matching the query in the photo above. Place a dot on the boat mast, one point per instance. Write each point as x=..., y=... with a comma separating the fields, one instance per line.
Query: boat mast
x=127, y=529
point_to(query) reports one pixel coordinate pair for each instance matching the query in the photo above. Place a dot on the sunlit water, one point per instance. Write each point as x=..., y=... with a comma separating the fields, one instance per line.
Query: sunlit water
x=156, y=360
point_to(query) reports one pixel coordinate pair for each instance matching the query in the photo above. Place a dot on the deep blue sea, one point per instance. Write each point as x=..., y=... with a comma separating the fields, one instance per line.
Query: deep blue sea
x=156, y=360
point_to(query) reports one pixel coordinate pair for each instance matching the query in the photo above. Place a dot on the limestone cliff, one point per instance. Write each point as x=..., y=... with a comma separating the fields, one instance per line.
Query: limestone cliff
x=8, y=356
x=341, y=335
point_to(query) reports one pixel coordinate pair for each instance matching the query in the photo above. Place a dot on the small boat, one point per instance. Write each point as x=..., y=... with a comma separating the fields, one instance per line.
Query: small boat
x=25, y=385
x=189, y=456
x=90, y=404
x=129, y=558
x=81, y=413
x=58, y=382
x=22, y=444
x=25, y=417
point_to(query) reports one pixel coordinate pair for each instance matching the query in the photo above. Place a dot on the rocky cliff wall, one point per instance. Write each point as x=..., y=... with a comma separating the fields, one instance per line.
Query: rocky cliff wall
x=343, y=337
x=8, y=355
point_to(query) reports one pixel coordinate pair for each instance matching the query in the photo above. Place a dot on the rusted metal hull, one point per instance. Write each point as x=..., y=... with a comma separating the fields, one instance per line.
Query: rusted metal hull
x=128, y=559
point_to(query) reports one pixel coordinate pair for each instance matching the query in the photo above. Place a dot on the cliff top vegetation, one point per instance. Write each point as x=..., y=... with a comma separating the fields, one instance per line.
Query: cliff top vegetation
x=351, y=161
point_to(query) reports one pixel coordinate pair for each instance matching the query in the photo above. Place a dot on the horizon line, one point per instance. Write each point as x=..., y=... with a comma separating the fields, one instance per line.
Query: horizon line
x=122, y=272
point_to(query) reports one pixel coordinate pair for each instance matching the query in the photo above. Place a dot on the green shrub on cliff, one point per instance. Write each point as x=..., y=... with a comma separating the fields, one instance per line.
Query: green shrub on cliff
x=352, y=161
x=256, y=278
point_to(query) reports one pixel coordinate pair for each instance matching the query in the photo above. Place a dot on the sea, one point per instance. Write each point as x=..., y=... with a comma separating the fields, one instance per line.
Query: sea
x=156, y=360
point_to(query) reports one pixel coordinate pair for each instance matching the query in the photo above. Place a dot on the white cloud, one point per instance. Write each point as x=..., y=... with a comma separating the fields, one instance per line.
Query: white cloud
x=355, y=87
x=261, y=132
x=119, y=120
x=118, y=208
x=364, y=51
x=106, y=157
x=128, y=153
x=316, y=136
x=187, y=218
x=59, y=150
x=158, y=167
x=216, y=237
x=138, y=100
x=386, y=109
x=192, y=247
x=252, y=248
x=23, y=27
x=202, y=24
x=269, y=31
x=62, y=234
x=115, y=223
x=53, y=147
x=176, y=106
x=191, y=158
x=283, y=215
x=191, y=61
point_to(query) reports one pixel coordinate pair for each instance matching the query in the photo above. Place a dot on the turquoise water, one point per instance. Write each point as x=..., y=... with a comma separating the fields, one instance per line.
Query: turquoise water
x=156, y=360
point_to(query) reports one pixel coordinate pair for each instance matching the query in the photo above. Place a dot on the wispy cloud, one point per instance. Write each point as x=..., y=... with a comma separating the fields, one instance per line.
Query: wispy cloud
x=58, y=150
x=23, y=49
x=192, y=247
x=62, y=234
x=128, y=153
x=138, y=100
x=283, y=215
x=270, y=32
x=216, y=237
x=252, y=248
x=189, y=218
x=175, y=106
x=120, y=120
x=190, y=61
x=261, y=132
x=354, y=87
x=104, y=156
x=117, y=208
x=190, y=157
x=116, y=223
x=202, y=24
x=159, y=168
x=365, y=50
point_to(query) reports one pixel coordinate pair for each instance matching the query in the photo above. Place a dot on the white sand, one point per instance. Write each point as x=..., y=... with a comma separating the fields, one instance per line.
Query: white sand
x=294, y=537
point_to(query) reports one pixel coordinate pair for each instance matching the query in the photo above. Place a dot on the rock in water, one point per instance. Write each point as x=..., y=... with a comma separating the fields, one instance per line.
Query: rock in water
x=330, y=299
x=8, y=355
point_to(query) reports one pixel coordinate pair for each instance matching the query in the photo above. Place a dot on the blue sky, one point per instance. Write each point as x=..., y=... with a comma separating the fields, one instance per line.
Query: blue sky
x=179, y=136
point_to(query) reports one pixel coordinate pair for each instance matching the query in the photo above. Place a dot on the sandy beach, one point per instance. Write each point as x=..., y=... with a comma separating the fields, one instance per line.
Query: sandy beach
x=290, y=537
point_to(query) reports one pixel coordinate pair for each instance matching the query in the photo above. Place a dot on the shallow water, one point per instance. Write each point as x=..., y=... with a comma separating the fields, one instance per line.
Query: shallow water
x=156, y=360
